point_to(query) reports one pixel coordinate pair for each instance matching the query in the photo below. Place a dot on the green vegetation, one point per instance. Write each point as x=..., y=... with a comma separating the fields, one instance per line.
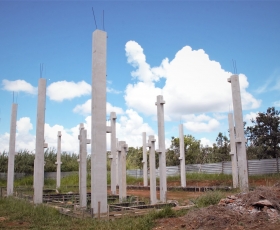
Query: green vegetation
x=23, y=215
x=209, y=198
x=264, y=135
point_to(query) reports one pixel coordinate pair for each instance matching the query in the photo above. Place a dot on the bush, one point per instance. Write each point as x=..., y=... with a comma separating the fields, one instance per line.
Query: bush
x=209, y=198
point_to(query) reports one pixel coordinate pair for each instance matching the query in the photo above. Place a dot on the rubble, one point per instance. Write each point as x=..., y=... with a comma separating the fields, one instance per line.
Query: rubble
x=263, y=199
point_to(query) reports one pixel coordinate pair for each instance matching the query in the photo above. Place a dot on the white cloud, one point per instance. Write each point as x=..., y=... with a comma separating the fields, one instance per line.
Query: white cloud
x=248, y=117
x=130, y=128
x=193, y=84
x=205, y=142
x=19, y=86
x=196, y=126
x=64, y=90
x=24, y=125
x=85, y=109
x=111, y=90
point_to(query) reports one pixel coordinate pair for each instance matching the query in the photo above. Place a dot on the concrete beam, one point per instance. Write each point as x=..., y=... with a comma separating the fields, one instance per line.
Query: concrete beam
x=12, y=152
x=161, y=143
x=239, y=135
x=98, y=124
x=233, y=152
x=40, y=143
x=182, y=156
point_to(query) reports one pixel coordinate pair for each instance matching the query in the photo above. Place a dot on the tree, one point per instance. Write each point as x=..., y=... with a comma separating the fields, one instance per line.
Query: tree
x=221, y=149
x=265, y=133
x=192, y=148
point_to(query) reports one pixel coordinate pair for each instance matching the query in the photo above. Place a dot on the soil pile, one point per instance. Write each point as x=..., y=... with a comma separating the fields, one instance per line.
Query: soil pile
x=258, y=209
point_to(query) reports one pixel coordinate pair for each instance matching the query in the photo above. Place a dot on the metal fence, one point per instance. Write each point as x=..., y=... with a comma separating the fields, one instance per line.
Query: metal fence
x=255, y=167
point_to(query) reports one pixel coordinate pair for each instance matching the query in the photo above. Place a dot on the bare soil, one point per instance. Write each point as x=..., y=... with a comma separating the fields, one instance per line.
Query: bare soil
x=239, y=211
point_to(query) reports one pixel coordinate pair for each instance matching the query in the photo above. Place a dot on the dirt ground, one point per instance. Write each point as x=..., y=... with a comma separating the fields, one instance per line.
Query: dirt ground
x=258, y=209
x=237, y=211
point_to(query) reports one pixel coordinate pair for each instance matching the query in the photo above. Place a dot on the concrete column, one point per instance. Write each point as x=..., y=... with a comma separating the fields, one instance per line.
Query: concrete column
x=239, y=135
x=182, y=156
x=112, y=130
x=152, y=160
x=122, y=179
x=40, y=145
x=117, y=162
x=145, y=168
x=58, y=160
x=233, y=151
x=12, y=152
x=98, y=123
x=83, y=166
x=161, y=144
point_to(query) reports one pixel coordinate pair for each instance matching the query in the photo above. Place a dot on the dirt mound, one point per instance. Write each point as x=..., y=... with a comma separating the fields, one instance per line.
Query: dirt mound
x=258, y=209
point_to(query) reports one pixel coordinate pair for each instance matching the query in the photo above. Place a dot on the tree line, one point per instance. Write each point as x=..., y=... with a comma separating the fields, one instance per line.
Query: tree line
x=263, y=139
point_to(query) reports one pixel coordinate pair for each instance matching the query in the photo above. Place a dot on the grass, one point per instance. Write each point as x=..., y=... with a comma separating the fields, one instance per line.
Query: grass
x=23, y=215
x=209, y=198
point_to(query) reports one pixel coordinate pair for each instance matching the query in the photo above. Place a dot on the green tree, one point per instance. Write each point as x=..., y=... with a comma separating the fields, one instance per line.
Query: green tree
x=192, y=148
x=221, y=149
x=265, y=133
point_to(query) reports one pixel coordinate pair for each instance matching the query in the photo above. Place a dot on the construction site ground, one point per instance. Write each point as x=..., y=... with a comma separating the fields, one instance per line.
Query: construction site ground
x=237, y=211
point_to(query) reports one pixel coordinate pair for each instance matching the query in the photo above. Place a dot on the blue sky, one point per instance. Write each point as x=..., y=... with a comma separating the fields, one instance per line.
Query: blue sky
x=180, y=49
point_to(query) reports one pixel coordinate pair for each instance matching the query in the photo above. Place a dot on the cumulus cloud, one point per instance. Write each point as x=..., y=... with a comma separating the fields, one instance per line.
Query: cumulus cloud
x=205, y=142
x=209, y=126
x=18, y=86
x=24, y=125
x=193, y=84
x=64, y=90
x=248, y=117
x=130, y=127
x=85, y=109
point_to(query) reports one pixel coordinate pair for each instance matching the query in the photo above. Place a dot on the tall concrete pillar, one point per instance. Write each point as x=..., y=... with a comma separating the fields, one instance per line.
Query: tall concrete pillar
x=122, y=164
x=12, y=152
x=40, y=143
x=145, y=167
x=58, y=160
x=117, y=162
x=182, y=156
x=233, y=151
x=112, y=129
x=161, y=144
x=152, y=160
x=98, y=123
x=83, y=166
x=239, y=135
